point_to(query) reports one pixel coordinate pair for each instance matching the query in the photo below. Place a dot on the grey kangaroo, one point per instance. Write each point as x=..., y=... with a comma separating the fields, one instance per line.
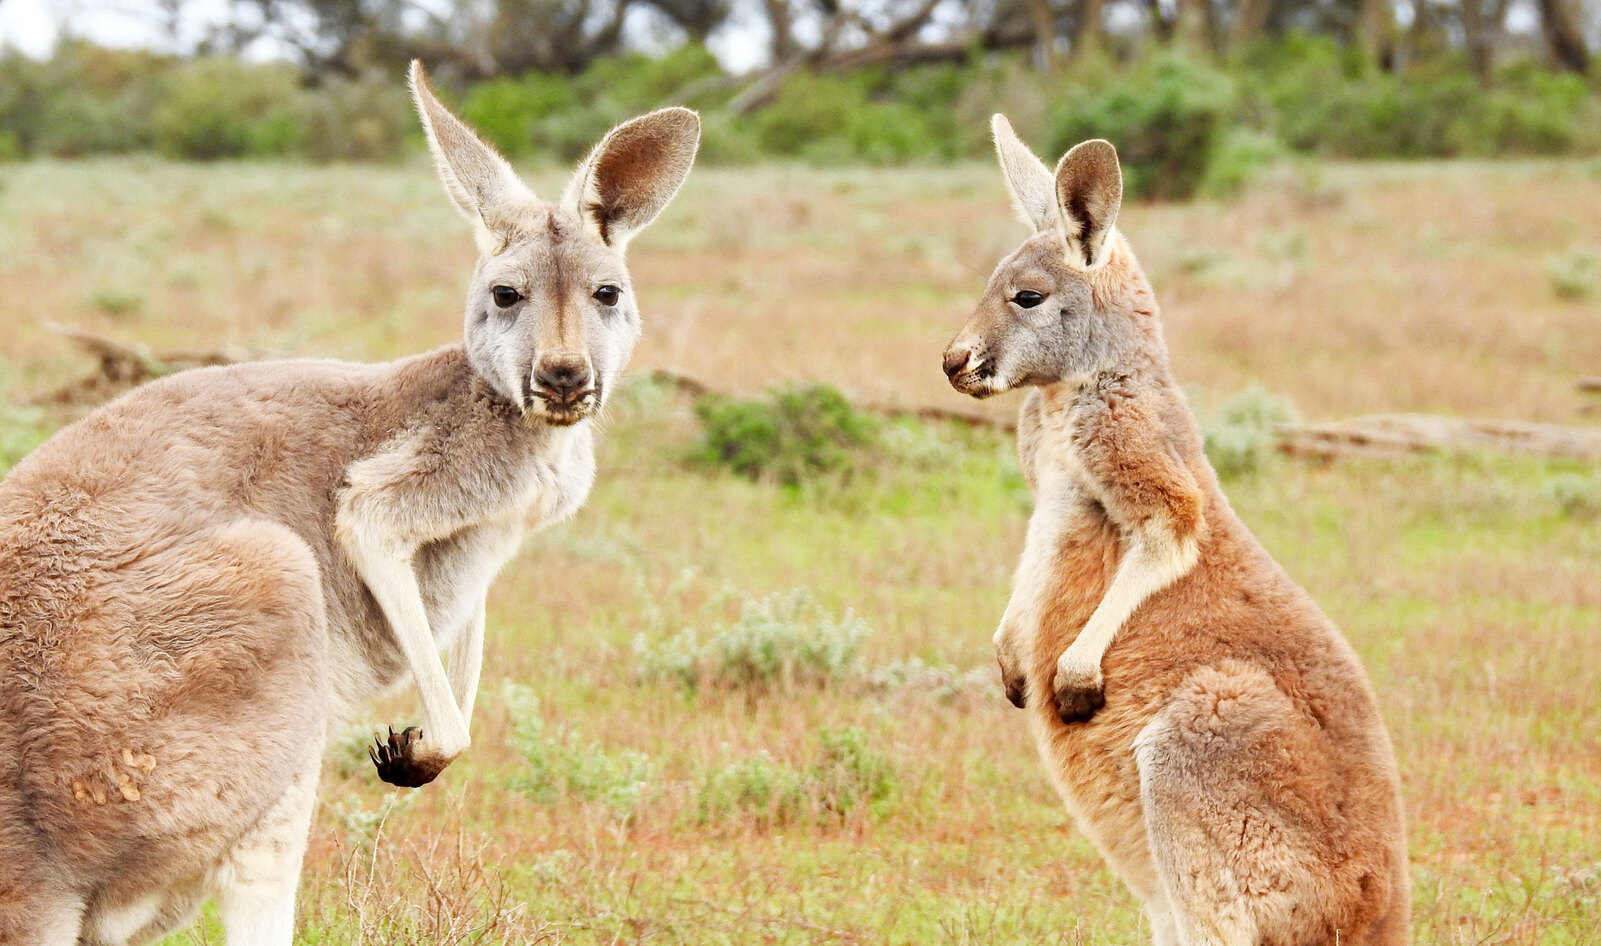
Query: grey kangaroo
x=200, y=578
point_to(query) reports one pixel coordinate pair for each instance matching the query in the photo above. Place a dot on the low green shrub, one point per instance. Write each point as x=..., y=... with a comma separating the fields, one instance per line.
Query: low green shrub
x=836, y=119
x=1242, y=431
x=780, y=642
x=789, y=435
x=761, y=793
x=756, y=790
x=562, y=767
x=1574, y=274
x=1577, y=495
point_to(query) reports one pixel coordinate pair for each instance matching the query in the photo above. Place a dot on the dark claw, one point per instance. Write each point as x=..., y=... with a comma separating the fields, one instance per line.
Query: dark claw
x=396, y=760
x=1078, y=705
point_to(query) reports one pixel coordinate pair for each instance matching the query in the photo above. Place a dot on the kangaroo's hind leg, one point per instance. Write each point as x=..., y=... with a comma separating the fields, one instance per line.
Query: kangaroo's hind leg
x=1243, y=812
x=257, y=879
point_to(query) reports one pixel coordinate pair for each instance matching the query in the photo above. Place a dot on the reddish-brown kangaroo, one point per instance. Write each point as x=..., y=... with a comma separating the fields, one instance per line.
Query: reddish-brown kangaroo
x=1207, y=726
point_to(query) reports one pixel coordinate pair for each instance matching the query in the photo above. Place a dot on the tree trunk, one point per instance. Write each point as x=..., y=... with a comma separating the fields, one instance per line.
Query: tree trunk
x=1088, y=35
x=1192, y=24
x=1480, y=42
x=1559, y=21
x=1250, y=21
x=1375, y=29
x=1043, y=22
x=781, y=45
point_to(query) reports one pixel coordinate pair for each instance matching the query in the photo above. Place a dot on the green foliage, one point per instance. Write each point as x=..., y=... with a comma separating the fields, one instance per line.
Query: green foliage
x=764, y=794
x=1167, y=117
x=1575, y=274
x=756, y=790
x=558, y=768
x=366, y=118
x=224, y=108
x=1577, y=495
x=1183, y=125
x=866, y=117
x=510, y=112
x=84, y=100
x=1319, y=97
x=1240, y=156
x=789, y=435
x=781, y=642
x=1243, y=430
x=559, y=117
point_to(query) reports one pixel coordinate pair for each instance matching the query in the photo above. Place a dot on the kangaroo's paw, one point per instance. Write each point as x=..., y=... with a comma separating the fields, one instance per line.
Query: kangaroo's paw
x=404, y=759
x=1016, y=685
x=1079, y=691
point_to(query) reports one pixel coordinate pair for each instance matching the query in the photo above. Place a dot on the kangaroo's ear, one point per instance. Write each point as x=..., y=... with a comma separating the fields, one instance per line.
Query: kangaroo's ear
x=632, y=174
x=485, y=188
x=1027, y=178
x=1089, y=190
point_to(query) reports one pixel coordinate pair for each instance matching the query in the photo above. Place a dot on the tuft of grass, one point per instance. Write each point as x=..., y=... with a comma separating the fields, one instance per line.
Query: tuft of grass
x=760, y=793
x=1578, y=495
x=780, y=642
x=117, y=302
x=1242, y=431
x=557, y=768
x=757, y=791
x=789, y=435
x=23, y=427
x=1574, y=274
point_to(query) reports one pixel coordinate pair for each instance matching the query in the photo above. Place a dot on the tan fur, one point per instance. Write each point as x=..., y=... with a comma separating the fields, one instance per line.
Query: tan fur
x=1238, y=776
x=201, y=578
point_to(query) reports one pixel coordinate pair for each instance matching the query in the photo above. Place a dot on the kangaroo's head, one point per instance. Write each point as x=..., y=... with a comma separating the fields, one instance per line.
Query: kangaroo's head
x=1071, y=301
x=551, y=315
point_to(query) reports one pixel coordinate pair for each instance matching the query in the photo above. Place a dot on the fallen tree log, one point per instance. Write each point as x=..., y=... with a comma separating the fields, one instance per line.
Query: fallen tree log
x=1391, y=434
x=123, y=366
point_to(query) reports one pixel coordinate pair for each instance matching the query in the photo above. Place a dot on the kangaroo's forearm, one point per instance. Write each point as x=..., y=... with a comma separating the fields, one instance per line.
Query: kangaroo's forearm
x=385, y=566
x=1155, y=560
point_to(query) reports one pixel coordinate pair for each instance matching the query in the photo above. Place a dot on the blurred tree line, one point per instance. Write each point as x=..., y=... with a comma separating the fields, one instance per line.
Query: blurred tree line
x=1195, y=93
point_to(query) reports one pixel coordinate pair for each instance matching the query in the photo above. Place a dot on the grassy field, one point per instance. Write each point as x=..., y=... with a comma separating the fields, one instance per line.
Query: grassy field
x=626, y=787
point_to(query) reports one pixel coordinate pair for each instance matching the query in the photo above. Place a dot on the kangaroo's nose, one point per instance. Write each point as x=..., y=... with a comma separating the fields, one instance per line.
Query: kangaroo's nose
x=564, y=378
x=955, y=361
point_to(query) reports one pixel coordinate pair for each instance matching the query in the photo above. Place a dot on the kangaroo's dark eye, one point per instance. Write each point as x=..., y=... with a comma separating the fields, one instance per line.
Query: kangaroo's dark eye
x=1028, y=298
x=608, y=295
x=505, y=296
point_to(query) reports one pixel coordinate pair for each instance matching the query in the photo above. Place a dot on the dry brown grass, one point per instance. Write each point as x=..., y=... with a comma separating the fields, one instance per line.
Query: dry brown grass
x=1473, y=595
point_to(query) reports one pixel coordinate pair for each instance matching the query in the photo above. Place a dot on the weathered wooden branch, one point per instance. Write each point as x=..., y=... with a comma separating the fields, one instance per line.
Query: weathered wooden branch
x=123, y=366
x=1391, y=434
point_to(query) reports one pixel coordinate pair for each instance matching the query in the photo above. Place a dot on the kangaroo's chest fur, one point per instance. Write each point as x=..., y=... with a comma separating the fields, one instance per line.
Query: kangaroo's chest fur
x=1072, y=546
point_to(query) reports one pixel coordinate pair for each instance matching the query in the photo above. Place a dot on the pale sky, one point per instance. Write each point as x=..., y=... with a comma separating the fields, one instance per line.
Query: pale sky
x=33, y=26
